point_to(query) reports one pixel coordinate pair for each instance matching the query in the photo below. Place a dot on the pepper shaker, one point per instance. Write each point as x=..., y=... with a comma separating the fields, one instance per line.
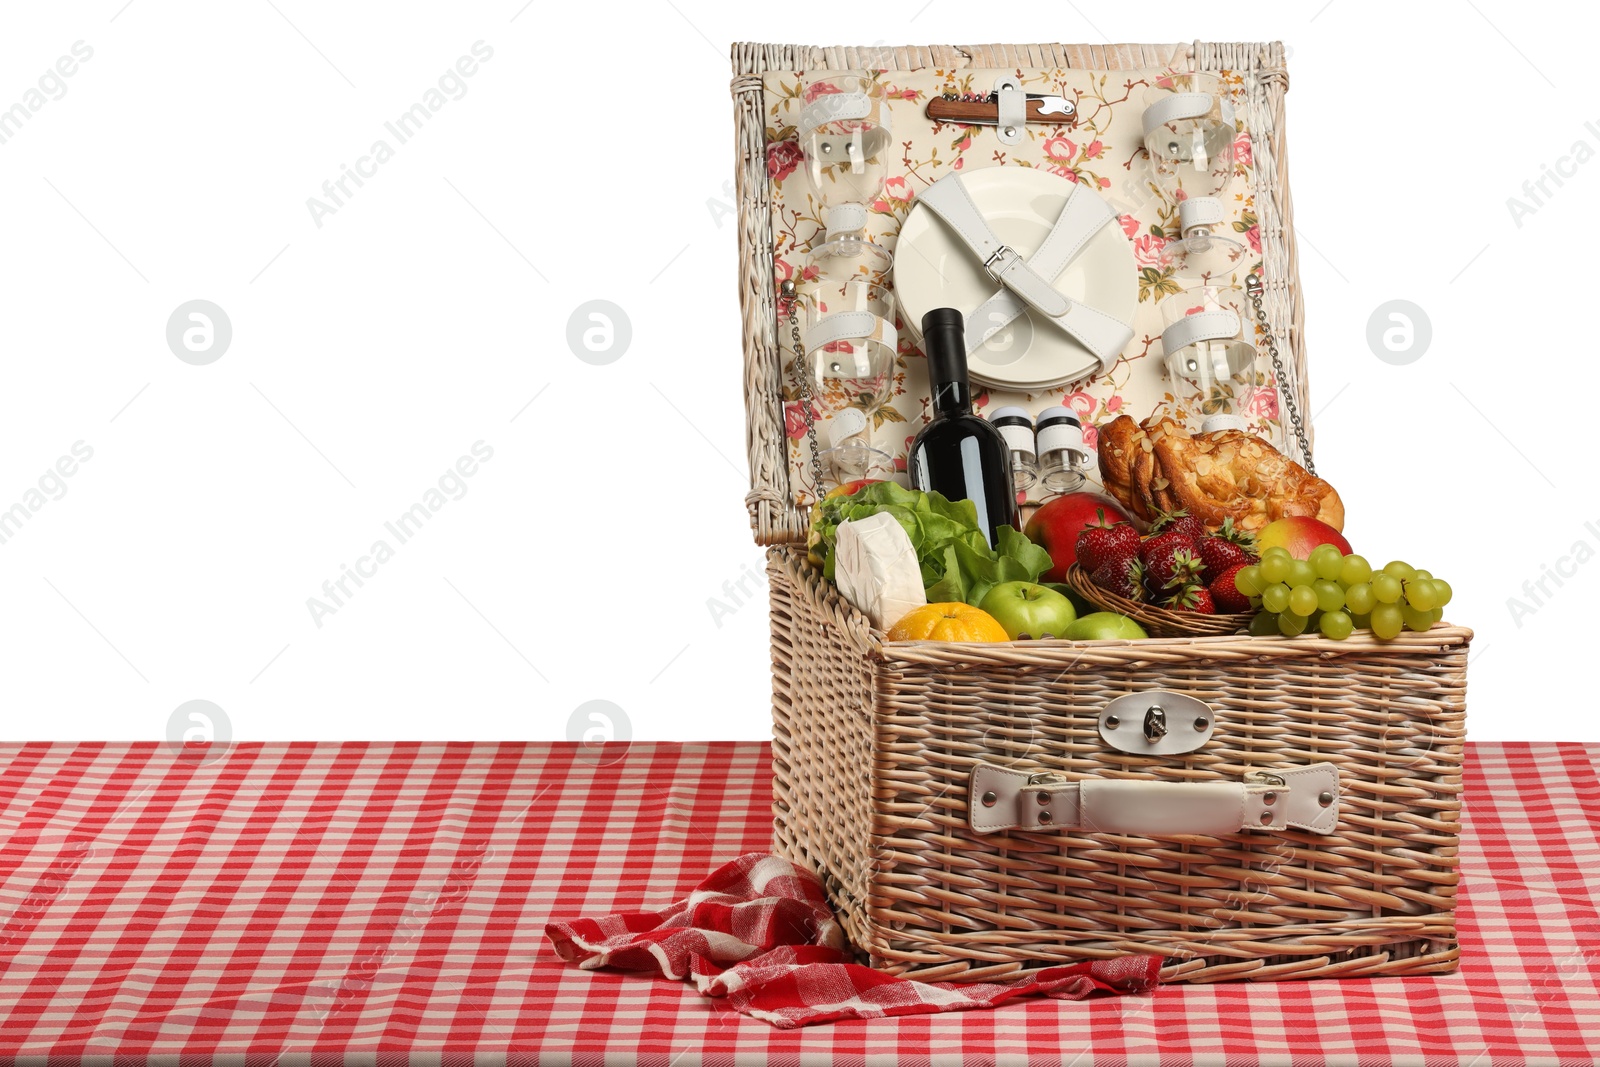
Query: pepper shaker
x=1016, y=426
x=1063, y=459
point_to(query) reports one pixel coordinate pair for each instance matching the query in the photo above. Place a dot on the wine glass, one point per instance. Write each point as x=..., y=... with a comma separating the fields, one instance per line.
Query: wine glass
x=845, y=136
x=1189, y=134
x=1207, y=343
x=1202, y=257
x=849, y=341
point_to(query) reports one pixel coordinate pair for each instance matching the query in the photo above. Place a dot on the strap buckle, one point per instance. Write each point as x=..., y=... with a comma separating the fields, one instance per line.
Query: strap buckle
x=1005, y=256
x=1046, y=778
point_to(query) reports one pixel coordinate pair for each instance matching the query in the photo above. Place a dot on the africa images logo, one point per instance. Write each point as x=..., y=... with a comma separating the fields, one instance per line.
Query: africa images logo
x=1536, y=592
x=451, y=85
x=451, y=485
x=52, y=85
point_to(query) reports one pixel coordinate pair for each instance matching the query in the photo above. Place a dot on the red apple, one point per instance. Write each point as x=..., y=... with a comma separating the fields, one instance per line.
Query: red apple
x=851, y=488
x=1056, y=525
x=1300, y=534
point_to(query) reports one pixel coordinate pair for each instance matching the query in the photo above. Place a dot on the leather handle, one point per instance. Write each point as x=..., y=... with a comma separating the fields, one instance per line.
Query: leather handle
x=981, y=113
x=1124, y=807
x=1301, y=798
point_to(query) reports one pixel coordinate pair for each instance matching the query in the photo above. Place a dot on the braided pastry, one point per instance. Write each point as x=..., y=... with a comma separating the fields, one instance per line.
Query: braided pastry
x=1160, y=466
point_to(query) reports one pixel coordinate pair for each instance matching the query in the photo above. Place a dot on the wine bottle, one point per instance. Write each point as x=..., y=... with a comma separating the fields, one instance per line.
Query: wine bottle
x=958, y=454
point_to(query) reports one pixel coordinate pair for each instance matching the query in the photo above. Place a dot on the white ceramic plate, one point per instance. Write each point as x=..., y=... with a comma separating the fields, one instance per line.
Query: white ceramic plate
x=933, y=268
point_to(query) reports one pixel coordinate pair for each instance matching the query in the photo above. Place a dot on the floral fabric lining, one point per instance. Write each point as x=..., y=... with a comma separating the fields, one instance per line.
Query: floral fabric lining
x=1103, y=148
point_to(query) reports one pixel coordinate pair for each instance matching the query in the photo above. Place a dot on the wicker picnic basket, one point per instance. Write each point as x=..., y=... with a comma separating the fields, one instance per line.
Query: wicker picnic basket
x=878, y=746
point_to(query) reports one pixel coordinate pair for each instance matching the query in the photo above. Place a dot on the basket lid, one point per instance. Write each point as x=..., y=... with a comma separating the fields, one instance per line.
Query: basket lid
x=779, y=497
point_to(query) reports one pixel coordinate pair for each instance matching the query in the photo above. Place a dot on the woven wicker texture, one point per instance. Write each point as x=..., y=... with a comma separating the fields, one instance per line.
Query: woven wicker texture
x=773, y=514
x=1157, y=621
x=873, y=745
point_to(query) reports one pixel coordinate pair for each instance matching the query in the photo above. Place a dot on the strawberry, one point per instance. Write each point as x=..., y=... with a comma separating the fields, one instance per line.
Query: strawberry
x=1220, y=554
x=1192, y=597
x=1242, y=537
x=1226, y=548
x=1100, y=543
x=1225, y=593
x=1180, y=521
x=1170, y=560
x=1161, y=543
x=1123, y=575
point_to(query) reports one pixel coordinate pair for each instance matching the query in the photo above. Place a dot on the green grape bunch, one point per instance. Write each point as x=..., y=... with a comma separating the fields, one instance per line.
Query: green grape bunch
x=1338, y=594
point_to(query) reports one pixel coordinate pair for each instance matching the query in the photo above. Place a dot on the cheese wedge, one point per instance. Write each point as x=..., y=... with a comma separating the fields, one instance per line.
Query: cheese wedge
x=876, y=569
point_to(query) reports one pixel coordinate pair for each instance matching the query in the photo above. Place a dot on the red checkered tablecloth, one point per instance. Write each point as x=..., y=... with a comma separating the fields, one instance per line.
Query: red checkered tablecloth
x=286, y=903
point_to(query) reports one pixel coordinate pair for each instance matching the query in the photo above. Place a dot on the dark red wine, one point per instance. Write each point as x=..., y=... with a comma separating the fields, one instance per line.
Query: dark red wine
x=958, y=454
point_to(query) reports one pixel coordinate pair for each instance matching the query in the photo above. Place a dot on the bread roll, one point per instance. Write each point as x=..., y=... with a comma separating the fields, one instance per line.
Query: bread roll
x=1226, y=474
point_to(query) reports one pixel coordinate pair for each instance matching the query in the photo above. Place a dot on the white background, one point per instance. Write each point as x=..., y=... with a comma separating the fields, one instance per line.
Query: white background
x=431, y=309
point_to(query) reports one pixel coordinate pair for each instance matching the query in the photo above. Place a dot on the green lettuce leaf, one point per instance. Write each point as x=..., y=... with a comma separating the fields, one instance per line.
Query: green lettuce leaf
x=943, y=577
x=1015, y=547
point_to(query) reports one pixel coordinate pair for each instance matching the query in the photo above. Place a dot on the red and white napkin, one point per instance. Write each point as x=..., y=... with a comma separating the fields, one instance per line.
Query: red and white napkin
x=759, y=932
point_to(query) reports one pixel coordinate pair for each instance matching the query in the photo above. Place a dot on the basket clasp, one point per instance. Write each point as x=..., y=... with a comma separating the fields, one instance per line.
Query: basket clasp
x=1156, y=723
x=1265, y=778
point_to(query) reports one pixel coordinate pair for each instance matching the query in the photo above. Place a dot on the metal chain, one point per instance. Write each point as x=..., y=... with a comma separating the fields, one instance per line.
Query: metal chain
x=1255, y=290
x=803, y=376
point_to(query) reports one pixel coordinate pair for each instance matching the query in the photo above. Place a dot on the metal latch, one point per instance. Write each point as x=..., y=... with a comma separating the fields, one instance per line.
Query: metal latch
x=1157, y=723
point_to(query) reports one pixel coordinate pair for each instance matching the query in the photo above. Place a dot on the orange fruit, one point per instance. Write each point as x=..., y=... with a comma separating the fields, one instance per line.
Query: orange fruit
x=948, y=622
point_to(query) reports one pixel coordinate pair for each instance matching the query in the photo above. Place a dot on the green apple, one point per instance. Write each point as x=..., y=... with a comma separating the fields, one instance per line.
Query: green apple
x=1105, y=626
x=1079, y=604
x=1029, y=610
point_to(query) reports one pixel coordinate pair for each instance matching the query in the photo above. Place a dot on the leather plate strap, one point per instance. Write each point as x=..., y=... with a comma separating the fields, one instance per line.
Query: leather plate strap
x=1030, y=283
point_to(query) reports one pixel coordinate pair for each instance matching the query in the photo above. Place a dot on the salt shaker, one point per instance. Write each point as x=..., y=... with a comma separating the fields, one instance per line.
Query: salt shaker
x=1063, y=459
x=1016, y=426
